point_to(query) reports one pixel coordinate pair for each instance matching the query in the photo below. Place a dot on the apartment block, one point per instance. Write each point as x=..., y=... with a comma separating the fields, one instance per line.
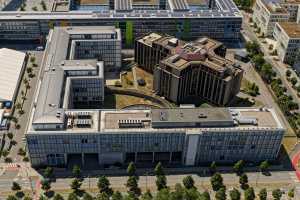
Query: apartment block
x=267, y=13
x=184, y=70
x=287, y=36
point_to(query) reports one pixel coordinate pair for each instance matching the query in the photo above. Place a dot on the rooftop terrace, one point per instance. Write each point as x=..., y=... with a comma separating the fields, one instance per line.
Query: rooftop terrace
x=292, y=29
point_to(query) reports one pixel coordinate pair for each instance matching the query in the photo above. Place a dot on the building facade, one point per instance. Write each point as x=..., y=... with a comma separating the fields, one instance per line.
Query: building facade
x=172, y=136
x=221, y=20
x=184, y=70
x=287, y=36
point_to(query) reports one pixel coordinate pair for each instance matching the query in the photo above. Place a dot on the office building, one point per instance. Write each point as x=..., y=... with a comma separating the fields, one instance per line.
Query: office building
x=185, y=70
x=218, y=19
x=267, y=13
x=292, y=6
x=287, y=36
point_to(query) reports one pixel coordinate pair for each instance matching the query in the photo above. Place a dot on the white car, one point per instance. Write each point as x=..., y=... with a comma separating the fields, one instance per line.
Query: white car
x=40, y=48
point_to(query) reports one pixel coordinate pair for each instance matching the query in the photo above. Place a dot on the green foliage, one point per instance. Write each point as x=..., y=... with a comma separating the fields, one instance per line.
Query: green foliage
x=238, y=166
x=102, y=196
x=264, y=166
x=131, y=170
x=191, y=194
x=178, y=193
x=129, y=34
x=249, y=194
x=213, y=167
x=252, y=48
x=11, y=197
x=263, y=194
x=188, y=182
x=73, y=196
x=216, y=181
x=132, y=185
x=48, y=173
x=288, y=73
x=235, y=194
x=158, y=170
x=277, y=194
x=204, y=196
x=244, y=181
x=27, y=197
x=76, y=184
x=59, y=197
x=161, y=182
x=45, y=185
x=117, y=196
x=294, y=81
x=163, y=194
x=15, y=186
x=76, y=171
x=252, y=89
x=186, y=29
x=291, y=193
x=104, y=185
x=221, y=194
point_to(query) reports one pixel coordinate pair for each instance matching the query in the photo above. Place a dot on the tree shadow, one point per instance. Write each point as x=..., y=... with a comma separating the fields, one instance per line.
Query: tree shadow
x=20, y=194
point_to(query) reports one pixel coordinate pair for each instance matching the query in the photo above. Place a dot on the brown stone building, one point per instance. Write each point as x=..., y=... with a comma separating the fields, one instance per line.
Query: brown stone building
x=184, y=71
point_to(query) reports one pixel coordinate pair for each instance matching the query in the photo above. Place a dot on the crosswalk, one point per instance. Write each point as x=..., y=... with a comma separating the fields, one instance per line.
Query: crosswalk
x=12, y=166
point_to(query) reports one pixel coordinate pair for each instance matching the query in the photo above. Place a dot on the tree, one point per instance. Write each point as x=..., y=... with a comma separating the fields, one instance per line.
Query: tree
x=102, y=196
x=263, y=194
x=267, y=72
x=15, y=186
x=5, y=153
x=10, y=135
x=163, y=194
x=11, y=197
x=76, y=184
x=188, y=182
x=178, y=193
x=294, y=81
x=264, y=166
x=221, y=194
x=249, y=194
x=161, y=182
x=147, y=195
x=87, y=196
x=45, y=185
x=158, y=170
x=216, y=181
x=48, y=173
x=59, y=197
x=131, y=170
x=42, y=197
x=235, y=194
x=32, y=59
x=28, y=70
x=291, y=193
x=27, y=197
x=204, y=196
x=238, y=166
x=277, y=194
x=129, y=33
x=191, y=194
x=104, y=185
x=288, y=73
x=117, y=196
x=21, y=152
x=213, y=167
x=132, y=185
x=76, y=171
x=244, y=181
x=72, y=196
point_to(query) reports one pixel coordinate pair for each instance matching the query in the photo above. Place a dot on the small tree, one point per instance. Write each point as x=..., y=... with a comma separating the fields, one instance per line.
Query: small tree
x=21, y=152
x=294, y=81
x=72, y=196
x=11, y=197
x=161, y=182
x=45, y=185
x=131, y=170
x=244, y=181
x=204, y=196
x=48, y=173
x=221, y=194
x=249, y=194
x=104, y=185
x=288, y=73
x=76, y=171
x=27, y=197
x=10, y=135
x=58, y=197
x=87, y=196
x=117, y=196
x=264, y=166
x=75, y=185
x=132, y=185
x=291, y=193
x=15, y=186
x=263, y=194
x=235, y=194
x=158, y=170
x=277, y=194
x=213, y=167
x=216, y=181
x=188, y=182
x=238, y=167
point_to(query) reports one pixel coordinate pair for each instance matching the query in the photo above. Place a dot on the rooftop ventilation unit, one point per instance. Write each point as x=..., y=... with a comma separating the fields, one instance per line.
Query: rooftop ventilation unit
x=130, y=123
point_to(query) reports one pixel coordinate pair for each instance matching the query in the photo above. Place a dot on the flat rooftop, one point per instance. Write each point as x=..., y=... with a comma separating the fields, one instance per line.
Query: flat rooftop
x=145, y=2
x=292, y=29
x=274, y=7
x=93, y=2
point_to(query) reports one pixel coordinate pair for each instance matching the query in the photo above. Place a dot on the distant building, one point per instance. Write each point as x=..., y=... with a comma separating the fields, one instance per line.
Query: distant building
x=241, y=56
x=292, y=6
x=287, y=36
x=12, y=65
x=267, y=13
x=185, y=70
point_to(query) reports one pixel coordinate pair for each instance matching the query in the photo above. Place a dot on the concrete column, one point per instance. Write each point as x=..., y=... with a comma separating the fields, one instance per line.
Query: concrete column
x=153, y=157
x=170, y=159
x=82, y=159
x=66, y=158
x=135, y=157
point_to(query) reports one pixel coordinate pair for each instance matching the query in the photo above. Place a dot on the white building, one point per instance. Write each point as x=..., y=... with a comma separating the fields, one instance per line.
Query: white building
x=287, y=35
x=266, y=14
x=12, y=65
